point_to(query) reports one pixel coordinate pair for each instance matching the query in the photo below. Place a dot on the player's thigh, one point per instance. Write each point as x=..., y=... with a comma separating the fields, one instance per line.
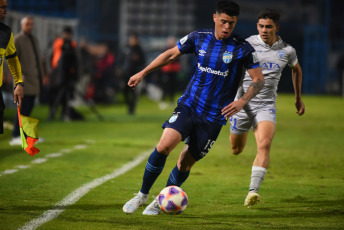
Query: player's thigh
x=169, y=140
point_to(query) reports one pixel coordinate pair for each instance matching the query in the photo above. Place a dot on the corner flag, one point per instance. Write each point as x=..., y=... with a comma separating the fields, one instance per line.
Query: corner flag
x=28, y=133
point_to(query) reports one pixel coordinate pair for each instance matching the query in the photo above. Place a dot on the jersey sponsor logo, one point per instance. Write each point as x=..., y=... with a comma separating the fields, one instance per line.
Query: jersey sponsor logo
x=183, y=40
x=227, y=57
x=210, y=70
x=270, y=65
x=202, y=52
x=280, y=53
x=173, y=118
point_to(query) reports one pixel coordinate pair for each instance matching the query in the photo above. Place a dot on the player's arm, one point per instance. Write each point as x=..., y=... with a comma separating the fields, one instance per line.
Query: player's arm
x=15, y=68
x=256, y=85
x=163, y=59
x=297, y=82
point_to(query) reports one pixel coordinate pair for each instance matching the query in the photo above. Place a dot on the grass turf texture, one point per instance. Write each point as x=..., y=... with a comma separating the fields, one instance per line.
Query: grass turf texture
x=302, y=189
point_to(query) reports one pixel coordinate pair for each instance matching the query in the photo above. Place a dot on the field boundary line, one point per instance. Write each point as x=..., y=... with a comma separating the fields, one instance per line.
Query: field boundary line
x=73, y=197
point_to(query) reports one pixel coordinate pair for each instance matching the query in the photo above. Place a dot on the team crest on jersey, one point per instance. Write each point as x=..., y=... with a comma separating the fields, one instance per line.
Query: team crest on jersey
x=227, y=57
x=173, y=118
x=280, y=53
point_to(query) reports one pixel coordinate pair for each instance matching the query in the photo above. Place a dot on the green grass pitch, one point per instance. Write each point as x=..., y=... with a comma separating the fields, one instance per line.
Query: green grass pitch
x=303, y=189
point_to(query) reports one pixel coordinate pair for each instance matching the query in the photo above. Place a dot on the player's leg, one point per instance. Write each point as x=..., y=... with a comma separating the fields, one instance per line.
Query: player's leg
x=177, y=177
x=155, y=164
x=264, y=133
x=240, y=124
x=238, y=142
x=181, y=171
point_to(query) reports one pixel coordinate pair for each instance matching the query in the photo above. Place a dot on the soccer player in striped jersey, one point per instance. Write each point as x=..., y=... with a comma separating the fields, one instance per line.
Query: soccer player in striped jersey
x=207, y=102
x=260, y=112
x=8, y=51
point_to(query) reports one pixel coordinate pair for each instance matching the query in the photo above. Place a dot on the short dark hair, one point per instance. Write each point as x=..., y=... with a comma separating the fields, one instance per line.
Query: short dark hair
x=227, y=7
x=269, y=14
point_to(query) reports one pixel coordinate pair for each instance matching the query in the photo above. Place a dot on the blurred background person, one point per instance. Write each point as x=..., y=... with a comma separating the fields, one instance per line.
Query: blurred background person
x=169, y=77
x=132, y=61
x=8, y=51
x=104, y=77
x=64, y=75
x=30, y=59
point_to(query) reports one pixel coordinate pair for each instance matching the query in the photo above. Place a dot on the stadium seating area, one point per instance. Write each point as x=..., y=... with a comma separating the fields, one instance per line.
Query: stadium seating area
x=54, y=8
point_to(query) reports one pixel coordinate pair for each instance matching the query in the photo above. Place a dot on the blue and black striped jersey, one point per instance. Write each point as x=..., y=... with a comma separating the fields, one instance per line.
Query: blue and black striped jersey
x=220, y=67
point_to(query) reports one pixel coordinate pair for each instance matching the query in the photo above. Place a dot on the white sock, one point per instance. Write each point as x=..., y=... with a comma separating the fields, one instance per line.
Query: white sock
x=257, y=177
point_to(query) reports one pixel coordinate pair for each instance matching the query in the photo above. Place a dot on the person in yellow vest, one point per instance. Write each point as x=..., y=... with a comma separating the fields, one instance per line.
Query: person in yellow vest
x=8, y=51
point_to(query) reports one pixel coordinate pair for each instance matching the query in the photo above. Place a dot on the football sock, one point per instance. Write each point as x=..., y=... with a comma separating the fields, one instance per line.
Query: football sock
x=154, y=167
x=257, y=177
x=177, y=177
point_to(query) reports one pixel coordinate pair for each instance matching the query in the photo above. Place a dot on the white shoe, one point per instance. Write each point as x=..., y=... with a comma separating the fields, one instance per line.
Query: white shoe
x=252, y=199
x=16, y=141
x=152, y=209
x=138, y=200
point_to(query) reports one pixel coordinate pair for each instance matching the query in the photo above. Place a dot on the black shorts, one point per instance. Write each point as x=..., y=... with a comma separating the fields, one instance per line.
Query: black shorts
x=199, y=133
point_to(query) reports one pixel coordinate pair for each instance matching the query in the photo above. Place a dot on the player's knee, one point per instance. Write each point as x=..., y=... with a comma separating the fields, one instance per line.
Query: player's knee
x=236, y=150
x=163, y=149
x=264, y=144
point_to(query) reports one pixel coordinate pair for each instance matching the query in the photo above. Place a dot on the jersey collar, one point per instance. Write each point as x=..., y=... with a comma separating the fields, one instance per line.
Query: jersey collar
x=278, y=41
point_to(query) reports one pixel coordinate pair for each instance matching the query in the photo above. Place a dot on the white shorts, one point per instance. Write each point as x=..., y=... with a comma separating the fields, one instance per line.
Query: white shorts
x=251, y=115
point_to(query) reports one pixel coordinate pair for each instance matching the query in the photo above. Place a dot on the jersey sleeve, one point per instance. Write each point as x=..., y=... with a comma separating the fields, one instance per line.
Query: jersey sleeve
x=292, y=57
x=13, y=61
x=10, y=49
x=187, y=44
x=251, y=60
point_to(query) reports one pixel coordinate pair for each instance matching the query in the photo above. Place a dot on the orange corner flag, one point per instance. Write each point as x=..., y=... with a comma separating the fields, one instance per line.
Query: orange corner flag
x=28, y=132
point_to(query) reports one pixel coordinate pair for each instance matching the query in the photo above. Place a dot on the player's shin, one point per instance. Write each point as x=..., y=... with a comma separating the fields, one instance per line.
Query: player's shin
x=257, y=177
x=177, y=177
x=154, y=167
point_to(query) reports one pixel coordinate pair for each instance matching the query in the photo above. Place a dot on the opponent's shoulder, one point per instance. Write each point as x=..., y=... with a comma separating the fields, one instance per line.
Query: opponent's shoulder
x=238, y=39
x=253, y=39
x=285, y=45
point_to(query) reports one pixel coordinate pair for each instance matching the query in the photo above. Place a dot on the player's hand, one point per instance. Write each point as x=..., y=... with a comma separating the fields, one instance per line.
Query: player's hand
x=135, y=80
x=18, y=94
x=233, y=108
x=300, y=107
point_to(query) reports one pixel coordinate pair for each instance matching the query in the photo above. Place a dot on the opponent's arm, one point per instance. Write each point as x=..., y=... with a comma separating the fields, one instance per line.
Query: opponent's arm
x=297, y=82
x=256, y=85
x=163, y=59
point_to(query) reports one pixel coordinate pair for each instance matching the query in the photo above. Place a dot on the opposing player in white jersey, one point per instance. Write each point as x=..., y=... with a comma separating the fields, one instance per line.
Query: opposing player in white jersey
x=260, y=113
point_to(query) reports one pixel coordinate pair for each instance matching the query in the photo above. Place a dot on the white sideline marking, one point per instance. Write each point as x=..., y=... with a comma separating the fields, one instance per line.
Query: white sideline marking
x=10, y=171
x=39, y=161
x=23, y=166
x=80, y=192
x=52, y=155
x=42, y=160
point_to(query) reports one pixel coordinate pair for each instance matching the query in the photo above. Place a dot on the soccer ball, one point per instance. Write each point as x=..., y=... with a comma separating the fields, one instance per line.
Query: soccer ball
x=173, y=200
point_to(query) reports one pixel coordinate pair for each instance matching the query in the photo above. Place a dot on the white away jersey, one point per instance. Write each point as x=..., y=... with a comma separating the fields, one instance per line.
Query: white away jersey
x=272, y=61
